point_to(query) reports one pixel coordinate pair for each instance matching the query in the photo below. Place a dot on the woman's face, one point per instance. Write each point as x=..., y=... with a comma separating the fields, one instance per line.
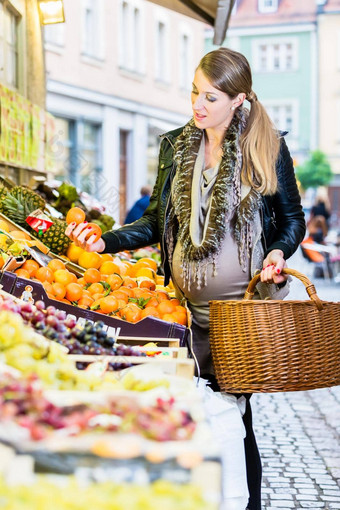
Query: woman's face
x=211, y=107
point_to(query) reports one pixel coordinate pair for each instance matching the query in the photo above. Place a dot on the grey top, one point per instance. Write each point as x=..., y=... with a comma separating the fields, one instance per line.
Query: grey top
x=228, y=282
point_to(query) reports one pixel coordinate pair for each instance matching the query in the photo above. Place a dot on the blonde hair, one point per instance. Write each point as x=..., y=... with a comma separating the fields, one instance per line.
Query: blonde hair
x=229, y=71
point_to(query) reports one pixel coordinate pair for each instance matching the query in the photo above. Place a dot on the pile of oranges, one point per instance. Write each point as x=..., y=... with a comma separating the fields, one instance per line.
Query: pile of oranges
x=122, y=289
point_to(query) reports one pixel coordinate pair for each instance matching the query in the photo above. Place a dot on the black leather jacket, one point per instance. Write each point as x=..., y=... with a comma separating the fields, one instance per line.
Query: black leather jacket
x=282, y=216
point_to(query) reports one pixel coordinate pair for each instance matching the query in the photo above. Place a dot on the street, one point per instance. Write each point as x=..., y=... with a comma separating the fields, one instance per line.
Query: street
x=298, y=433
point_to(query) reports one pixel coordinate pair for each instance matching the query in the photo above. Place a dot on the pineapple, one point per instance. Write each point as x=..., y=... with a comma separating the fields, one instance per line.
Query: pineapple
x=55, y=237
x=3, y=195
x=20, y=202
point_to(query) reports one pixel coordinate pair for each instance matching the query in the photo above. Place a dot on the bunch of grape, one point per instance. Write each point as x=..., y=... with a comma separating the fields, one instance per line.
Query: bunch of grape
x=88, y=339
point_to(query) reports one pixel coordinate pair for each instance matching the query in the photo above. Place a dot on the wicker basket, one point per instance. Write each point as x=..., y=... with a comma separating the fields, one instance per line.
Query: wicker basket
x=269, y=345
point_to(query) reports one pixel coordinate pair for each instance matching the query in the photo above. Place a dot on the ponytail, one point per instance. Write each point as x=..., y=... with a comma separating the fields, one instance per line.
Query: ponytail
x=260, y=146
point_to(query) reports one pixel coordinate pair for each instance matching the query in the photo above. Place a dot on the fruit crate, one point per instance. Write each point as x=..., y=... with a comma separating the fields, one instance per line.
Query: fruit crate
x=182, y=367
x=149, y=327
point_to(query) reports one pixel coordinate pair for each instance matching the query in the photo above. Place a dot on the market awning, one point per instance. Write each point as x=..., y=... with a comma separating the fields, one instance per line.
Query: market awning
x=214, y=12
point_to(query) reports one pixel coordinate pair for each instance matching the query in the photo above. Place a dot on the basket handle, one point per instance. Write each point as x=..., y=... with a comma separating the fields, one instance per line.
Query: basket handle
x=249, y=293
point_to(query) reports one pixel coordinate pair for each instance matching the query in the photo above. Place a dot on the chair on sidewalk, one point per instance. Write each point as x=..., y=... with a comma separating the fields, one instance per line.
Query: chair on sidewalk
x=320, y=256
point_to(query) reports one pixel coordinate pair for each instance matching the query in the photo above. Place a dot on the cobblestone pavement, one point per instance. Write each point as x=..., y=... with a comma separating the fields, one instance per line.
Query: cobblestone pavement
x=298, y=433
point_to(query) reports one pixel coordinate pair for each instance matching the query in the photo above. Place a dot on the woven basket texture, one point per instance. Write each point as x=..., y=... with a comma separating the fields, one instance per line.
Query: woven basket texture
x=270, y=346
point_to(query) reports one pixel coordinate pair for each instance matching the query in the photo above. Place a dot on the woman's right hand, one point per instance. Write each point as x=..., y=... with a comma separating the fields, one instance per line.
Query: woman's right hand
x=79, y=235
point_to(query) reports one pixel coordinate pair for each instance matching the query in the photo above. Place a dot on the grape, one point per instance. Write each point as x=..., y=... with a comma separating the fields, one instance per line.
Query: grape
x=61, y=327
x=51, y=310
x=52, y=320
x=40, y=305
x=40, y=325
x=61, y=315
x=37, y=317
x=27, y=307
x=69, y=322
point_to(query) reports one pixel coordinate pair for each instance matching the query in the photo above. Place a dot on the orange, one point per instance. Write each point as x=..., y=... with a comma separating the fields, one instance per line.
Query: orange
x=109, y=267
x=44, y=274
x=2, y=262
x=179, y=317
x=89, y=259
x=166, y=307
x=48, y=287
x=153, y=302
x=161, y=295
x=147, y=284
x=94, y=230
x=31, y=266
x=74, y=278
x=87, y=293
x=129, y=282
x=115, y=281
x=120, y=303
x=106, y=257
x=124, y=267
x=150, y=311
x=23, y=273
x=130, y=313
x=81, y=281
x=168, y=317
x=96, y=288
x=121, y=296
x=76, y=215
x=58, y=290
x=63, y=276
x=149, y=262
x=74, y=252
x=108, y=304
x=180, y=309
x=146, y=271
x=129, y=292
x=74, y=291
x=92, y=275
x=85, y=301
x=97, y=295
x=176, y=302
x=19, y=235
x=55, y=264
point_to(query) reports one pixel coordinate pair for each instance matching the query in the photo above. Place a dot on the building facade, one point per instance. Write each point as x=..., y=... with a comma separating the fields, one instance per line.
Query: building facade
x=293, y=49
x=118, y=75
x=25, y=125
x=329, y=93
x=279, y=40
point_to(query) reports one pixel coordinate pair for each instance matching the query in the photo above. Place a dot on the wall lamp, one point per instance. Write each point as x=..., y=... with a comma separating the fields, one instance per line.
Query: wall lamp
x=51, y=11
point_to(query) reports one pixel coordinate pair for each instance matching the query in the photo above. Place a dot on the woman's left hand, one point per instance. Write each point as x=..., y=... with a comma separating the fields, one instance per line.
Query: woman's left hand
x=272, y=268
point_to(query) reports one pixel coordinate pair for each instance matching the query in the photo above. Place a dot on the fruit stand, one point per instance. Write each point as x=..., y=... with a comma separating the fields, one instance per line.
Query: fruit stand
x=97, y=393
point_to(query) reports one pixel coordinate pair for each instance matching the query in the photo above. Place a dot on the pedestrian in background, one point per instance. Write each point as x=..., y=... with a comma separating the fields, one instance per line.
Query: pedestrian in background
x=137, y=210
x=225, y=204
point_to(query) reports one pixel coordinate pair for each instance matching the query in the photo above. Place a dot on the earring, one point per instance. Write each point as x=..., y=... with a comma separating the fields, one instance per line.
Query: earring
x=232, y=108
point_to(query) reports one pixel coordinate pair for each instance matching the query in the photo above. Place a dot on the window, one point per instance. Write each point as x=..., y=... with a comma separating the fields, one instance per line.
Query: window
x=76, y=154
x=92, y=40
x=8, y=45
x=270, y=56
x=131, y=46
x=55, y=34
x=162, y=59
x=265, y=6
x=186, y=71
x=284, y=114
